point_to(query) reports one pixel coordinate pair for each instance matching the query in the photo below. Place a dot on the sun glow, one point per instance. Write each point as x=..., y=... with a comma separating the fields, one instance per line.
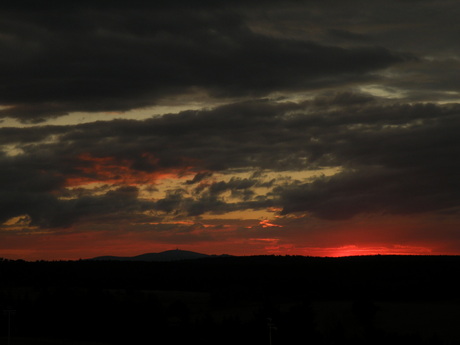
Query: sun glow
x=354, y=250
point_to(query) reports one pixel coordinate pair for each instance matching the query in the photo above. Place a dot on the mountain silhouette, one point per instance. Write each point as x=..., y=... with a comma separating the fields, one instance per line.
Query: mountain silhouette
x=169, y=255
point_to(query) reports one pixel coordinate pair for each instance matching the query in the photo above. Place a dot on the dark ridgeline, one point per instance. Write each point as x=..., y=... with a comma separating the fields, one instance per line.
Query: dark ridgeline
x=169, y=255
x=228, y=300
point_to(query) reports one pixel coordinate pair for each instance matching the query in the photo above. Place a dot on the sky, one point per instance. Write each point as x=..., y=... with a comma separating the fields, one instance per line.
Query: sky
x=320, y=128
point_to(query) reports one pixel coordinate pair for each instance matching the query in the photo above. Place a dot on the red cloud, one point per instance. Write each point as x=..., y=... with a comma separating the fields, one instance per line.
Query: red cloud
x=112, y=170
x=266, y=224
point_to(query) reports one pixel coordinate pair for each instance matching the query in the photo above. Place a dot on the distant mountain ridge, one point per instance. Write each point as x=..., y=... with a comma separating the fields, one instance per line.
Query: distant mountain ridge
x=168, y=255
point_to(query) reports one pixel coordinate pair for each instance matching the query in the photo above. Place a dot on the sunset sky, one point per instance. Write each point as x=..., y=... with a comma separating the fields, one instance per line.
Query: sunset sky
x=319, y=127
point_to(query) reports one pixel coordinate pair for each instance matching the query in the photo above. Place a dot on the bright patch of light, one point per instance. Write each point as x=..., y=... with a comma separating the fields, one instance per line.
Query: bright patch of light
x=196, y=100
x=354, y=250
x=241, y=214
x=294, y=97
x=384, y=92
x=12, y=150
x=267, y=224
x=19, y=224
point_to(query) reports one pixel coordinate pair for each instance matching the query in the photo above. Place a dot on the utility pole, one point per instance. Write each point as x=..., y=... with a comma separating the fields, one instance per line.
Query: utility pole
x=271, y=326
x=9, y=312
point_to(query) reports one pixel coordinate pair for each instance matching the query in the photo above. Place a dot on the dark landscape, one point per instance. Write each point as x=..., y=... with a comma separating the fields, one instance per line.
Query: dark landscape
x=312, y=146
x=228, y=300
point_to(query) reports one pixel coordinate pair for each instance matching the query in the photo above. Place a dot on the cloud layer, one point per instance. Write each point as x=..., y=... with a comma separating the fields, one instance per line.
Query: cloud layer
x=394, y=158
x=301, y=119
x=85, y=58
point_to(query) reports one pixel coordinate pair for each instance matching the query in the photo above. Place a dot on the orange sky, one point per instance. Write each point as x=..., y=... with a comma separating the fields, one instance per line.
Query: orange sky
x=235, y=233
x=236, y=237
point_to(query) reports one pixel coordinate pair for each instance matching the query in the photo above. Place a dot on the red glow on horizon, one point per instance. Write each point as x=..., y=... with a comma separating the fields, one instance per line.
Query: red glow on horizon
x=217, y=236
x=353, y=250
x=74, y=246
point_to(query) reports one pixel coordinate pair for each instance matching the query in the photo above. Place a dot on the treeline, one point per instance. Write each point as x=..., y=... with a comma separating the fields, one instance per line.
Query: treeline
x=376, y=277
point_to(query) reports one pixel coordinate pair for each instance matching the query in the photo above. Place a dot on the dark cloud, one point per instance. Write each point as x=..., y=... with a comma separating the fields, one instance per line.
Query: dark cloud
x=85, y=58
x=214, y=205
x=328, y=115
x=307, y=86
x=47, y=211
x=398, y=159
x=431, y=79
x=207, y=200
x=423, y=27
x=349, y=36
x=395, y=158
x=199, y=177
x=235, y=184
x=372, y=191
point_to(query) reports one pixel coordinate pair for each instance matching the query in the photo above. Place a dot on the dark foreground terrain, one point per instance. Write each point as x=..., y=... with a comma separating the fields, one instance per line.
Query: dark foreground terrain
x=233, y=300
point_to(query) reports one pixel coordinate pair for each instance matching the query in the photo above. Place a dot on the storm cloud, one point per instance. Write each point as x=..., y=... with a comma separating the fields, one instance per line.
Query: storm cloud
x=85, y=58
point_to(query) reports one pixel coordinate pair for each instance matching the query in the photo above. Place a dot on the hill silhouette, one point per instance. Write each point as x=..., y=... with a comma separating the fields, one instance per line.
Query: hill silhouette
x=168, y=255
